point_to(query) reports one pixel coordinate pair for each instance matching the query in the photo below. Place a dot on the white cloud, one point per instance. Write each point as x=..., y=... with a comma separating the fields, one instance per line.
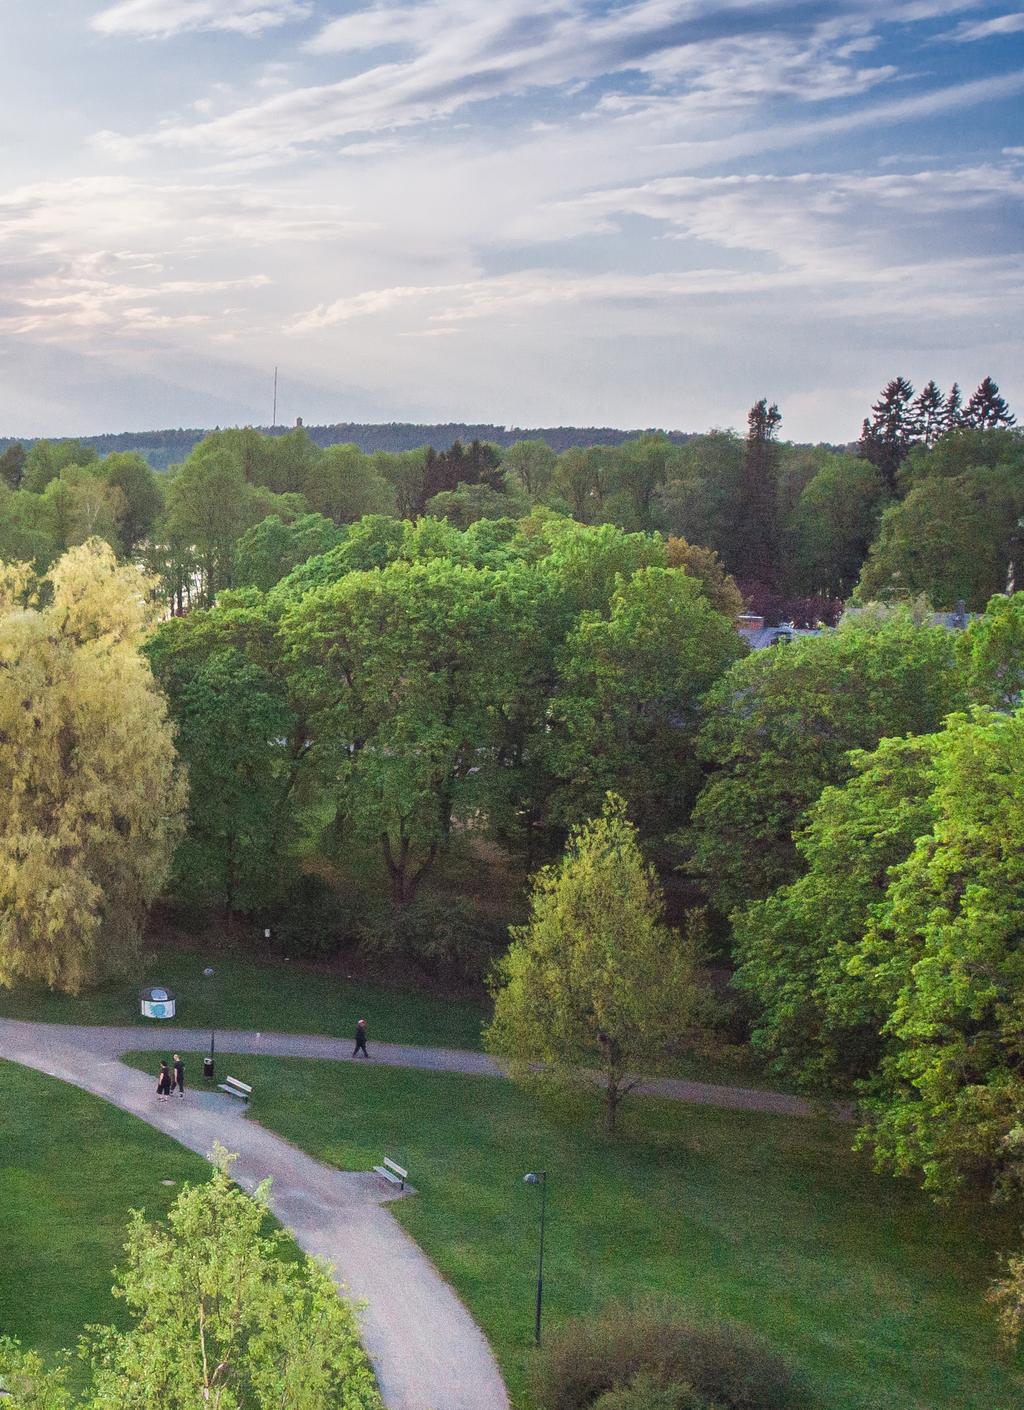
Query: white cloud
x=160, y=19
x=969, y=31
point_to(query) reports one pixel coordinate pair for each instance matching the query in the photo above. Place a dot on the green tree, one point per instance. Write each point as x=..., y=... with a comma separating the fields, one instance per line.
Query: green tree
x=532, y=463
x=139, y=500
x=344, y=485
x=701, y=499
x=704, y=564
x=778, y=728
x=93, y=794
x=755, y=550
x=945, y=945
x=950, y=539
x=886, y=439
x=402, y=673
x=624, y=715
x=816, y=1023
x=991, y=653
x=595, y=977
x=12, y=465
x=221, y=1318
x=986, y=409
x=234, y=732
x=269, y=550
x=47, y=459
x=832, y=527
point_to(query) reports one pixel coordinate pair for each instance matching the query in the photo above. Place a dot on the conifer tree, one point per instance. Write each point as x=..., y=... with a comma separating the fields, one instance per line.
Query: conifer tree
x=757, y=530
x=987, y=409
x=886, y=439
x=952, y=411
x=928, y=413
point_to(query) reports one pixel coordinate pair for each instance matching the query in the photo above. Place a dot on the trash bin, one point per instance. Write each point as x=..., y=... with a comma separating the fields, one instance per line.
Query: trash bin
x=208, y=1068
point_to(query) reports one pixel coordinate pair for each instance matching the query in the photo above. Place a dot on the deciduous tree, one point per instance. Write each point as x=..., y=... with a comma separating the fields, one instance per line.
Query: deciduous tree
x=93, y=793
x=595, y=979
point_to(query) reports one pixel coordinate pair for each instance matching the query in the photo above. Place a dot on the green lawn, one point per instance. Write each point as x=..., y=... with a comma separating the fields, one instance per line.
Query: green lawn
x=856, y=1277
x=280, y=998
x=71, y=1167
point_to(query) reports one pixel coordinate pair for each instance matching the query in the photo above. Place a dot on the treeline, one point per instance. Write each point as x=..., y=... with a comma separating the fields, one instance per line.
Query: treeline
x=927, y=507
x=161, y=449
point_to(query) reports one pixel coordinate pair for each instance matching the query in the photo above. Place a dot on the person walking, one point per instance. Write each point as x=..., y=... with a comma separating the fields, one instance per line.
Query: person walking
x=179, y=1075
x=360, y=1046
x=163, y=1081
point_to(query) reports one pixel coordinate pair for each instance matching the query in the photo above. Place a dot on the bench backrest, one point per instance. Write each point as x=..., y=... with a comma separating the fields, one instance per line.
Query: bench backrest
x=397, y=1169
x=242, y=1086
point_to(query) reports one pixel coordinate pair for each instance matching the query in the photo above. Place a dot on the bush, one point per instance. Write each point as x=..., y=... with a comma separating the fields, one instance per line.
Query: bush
x=644, y=1393
x=314, y=921
x=646, y=1352
x=445, y=936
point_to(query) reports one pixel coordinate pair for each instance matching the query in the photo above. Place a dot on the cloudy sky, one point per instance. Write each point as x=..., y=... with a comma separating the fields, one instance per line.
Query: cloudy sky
x=531, y=212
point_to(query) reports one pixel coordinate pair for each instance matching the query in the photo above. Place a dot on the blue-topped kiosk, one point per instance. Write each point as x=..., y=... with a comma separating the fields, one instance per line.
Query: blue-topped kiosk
x=156, y=1002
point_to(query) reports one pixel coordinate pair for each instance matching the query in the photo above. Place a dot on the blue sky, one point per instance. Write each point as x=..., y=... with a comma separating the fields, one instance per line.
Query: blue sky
x=522, y=211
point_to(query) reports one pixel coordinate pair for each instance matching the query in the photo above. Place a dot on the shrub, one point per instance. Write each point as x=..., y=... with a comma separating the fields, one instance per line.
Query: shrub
x=647, y=1350
x=445, y=936
x=644, y=1393
x=314, y=921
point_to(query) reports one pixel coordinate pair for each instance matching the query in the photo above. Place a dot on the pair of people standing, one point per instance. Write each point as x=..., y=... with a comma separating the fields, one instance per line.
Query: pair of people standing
x=170, y=1079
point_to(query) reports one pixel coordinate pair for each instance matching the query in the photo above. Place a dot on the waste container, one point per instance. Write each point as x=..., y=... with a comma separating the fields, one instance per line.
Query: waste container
x=208, y=1068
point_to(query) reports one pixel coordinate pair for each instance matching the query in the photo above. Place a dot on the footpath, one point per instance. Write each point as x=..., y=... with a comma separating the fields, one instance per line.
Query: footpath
x=427, y=1351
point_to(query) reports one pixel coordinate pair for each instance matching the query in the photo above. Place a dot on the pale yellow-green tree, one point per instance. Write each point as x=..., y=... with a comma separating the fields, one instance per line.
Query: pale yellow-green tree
x=93, y=793
x=596, y=980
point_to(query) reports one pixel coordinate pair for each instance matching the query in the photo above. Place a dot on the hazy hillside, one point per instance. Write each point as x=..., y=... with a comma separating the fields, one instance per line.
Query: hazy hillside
x=163, y=448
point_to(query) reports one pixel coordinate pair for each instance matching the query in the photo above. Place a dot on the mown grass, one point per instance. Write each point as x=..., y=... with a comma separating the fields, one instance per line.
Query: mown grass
x=279, y=998
x=71, y=1167
x=863, y=1283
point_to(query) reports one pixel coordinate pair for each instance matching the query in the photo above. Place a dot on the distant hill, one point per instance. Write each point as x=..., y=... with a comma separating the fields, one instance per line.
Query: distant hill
x=164, y=448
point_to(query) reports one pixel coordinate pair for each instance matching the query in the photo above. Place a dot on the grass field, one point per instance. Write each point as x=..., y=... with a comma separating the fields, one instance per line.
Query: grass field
x=862, y=1282
x=71, y=1167
x=280, y=998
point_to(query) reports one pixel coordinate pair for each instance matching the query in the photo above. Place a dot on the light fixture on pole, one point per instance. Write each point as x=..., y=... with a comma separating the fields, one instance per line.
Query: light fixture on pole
x=539, y=1177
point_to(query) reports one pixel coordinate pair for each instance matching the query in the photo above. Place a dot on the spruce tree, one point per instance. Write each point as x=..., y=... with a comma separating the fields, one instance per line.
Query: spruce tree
x=952, y=411
x=987, y=409
x=756, y=531
x=928, y=413
x=887, y=438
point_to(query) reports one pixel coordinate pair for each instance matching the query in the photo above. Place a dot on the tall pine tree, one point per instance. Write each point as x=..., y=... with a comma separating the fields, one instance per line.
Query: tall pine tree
x=886, y=439
x=987, y=409
x=756, y=539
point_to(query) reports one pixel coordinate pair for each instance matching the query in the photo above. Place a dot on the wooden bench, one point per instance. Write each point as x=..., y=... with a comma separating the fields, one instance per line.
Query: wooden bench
x=234, y=1088
x=393, y=1173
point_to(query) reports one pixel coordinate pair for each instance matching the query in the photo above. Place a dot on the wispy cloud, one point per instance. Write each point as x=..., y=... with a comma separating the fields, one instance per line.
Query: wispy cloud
x=998, y=26
x=160, y=19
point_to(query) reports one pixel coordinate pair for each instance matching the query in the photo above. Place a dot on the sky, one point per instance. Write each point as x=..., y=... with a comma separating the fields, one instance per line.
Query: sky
x=525, y=212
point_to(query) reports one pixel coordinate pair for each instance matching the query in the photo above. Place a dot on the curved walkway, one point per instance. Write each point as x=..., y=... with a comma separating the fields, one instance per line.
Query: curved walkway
x=114, y=1040
x=427, y=1351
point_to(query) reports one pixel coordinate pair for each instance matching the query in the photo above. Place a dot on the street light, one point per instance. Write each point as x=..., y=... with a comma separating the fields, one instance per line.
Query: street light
x=539, y=1178
x=208, y=1062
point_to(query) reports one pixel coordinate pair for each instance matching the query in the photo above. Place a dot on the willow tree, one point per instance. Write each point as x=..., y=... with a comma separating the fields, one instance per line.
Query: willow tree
x=596, y=979
x=93, y=794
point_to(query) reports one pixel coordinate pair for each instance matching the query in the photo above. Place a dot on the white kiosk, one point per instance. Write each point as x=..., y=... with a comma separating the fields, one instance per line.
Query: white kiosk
x=157, y=1003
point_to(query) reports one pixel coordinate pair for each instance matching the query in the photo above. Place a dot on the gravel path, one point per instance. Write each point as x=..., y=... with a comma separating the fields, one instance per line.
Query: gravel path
x=114, y=1041
x=427, y=1351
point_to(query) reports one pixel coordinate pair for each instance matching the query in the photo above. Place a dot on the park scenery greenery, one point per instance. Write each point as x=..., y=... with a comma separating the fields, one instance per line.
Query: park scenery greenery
x=479, y=723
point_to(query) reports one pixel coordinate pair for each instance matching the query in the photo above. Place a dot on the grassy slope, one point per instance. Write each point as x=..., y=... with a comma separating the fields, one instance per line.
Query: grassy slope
x=280, y=999
x=858, y=1278
x=71, y=1167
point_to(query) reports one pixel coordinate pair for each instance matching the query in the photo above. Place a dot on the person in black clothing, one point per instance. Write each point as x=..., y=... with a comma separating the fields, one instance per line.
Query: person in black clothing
x=163, y=1081
x=179, y=1075
x=360, y=1046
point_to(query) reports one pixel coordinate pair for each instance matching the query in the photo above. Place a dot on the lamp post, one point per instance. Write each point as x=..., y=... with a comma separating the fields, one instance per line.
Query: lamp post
x=539, y=1178
x=208, y=1062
